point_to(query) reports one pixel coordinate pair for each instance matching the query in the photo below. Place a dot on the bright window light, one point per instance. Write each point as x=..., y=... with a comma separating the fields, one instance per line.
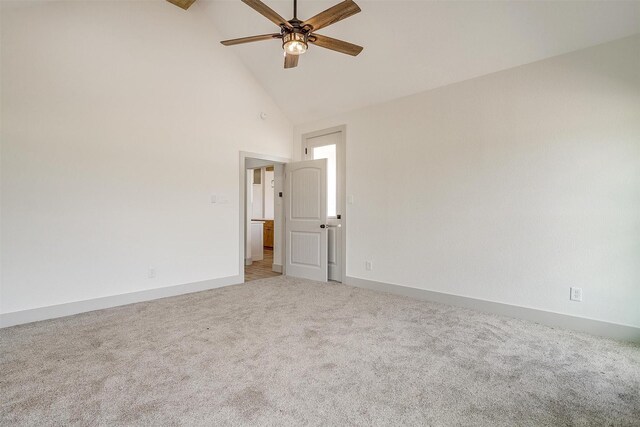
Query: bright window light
x=329, y=152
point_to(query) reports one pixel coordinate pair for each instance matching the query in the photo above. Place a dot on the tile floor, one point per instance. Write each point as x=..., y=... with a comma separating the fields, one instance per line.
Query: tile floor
x=260, y=269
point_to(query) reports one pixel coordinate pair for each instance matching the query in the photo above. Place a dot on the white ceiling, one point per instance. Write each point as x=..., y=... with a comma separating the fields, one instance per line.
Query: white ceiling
x=412, y=46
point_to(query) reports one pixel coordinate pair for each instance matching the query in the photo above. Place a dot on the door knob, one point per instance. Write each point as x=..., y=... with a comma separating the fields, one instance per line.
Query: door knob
x=322, y=226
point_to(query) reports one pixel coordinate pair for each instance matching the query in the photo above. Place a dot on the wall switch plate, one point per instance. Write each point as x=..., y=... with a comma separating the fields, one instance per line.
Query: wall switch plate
x=576, y=294
x=350, y=199
x=368, y=265
x=152, y=273
x=214, y=198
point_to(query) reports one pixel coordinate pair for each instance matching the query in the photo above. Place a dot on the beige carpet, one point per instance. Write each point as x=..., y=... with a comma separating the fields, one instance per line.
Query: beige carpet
x=289, y=352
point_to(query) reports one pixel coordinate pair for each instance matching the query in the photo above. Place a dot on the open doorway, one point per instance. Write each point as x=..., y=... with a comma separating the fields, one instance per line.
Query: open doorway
x=261, y=199
x=261, y=234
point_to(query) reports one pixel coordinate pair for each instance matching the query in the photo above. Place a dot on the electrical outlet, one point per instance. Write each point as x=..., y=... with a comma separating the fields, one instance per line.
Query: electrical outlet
x=368, y=265
x=576, y=294
x=152, y=273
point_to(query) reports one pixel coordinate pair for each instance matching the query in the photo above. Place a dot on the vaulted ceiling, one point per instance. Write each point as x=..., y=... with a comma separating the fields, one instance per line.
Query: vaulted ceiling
x=412, y=46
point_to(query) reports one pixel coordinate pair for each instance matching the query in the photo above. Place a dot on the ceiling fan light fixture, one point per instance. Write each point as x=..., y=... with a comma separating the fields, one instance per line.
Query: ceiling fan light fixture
x=294, y=43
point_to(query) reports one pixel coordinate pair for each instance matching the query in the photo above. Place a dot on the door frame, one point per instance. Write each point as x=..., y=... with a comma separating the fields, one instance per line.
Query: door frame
x=342, y=182
x=244, y=155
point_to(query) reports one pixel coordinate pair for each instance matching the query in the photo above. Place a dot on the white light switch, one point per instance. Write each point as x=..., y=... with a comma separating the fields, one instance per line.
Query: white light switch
x=350, y=199
x=219, y=199
x=576, y=294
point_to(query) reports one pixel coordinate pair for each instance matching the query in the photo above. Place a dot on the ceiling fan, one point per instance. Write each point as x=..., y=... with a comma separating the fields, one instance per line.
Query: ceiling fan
x=296, y=35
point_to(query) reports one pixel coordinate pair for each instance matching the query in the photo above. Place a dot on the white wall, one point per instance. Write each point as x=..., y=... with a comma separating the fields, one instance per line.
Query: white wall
x=268, y=194
x=120, y=120
x=257, y=204
x=263, y=196
x=510, y=187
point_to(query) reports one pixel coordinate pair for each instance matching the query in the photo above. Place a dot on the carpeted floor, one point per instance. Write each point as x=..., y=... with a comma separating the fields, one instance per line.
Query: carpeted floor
x=282, y=351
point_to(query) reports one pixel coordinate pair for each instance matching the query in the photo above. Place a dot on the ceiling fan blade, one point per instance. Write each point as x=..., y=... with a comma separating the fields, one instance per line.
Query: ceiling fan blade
x=335, y=44
x=291, y=61
x=267, y=12
x=332, y=15
x=250, y=39
x=182, y=3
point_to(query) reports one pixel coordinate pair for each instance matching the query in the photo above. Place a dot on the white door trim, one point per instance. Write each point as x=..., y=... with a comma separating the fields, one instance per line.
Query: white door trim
x=244, y=155
x=342, y=182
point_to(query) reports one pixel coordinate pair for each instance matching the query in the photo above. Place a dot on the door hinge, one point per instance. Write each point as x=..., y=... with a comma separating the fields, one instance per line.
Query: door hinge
x=305, y=151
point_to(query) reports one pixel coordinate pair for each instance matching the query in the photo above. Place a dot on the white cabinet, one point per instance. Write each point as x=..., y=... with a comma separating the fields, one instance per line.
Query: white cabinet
x=257, y=244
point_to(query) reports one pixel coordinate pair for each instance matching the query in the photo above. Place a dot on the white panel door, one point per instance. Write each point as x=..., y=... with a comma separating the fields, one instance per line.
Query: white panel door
x=306, y=219
x=329, y=144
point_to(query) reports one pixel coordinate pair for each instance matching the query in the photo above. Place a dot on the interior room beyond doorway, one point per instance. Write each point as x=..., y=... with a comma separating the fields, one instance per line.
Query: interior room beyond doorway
x=261, y=203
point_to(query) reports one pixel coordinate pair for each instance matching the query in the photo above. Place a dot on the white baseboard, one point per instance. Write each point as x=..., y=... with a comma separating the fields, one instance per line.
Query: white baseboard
x=549, y=318
x=592, y=326
x=68, y=309
x=276, y=268
x=248, y=261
